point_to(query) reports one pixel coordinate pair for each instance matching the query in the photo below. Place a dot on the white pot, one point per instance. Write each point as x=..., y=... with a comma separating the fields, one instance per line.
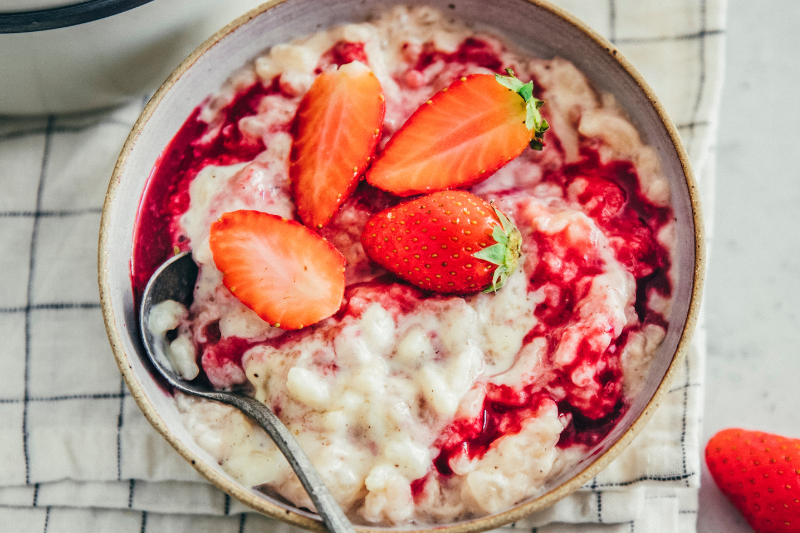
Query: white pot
x=101, y=62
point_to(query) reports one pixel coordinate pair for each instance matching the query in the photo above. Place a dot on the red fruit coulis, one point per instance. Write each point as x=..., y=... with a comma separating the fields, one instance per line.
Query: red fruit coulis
x=472, y=50
x=166, y=196
x=612, y=197
x=342, y=53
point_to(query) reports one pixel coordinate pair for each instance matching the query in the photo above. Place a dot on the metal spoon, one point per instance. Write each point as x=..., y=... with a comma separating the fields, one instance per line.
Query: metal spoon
x=175, y=280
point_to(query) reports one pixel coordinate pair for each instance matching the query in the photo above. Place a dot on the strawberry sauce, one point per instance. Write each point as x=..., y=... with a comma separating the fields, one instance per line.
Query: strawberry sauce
x=166, y=196
x=472, y=50
x=342, y=53
x=608, y=192
x=504, y=411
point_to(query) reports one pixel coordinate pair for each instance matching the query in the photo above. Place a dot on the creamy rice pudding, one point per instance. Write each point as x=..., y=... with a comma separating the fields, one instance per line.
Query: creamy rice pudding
x=418, y=407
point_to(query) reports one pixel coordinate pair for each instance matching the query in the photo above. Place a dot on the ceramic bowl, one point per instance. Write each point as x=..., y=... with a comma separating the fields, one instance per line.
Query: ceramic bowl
x=537, y=26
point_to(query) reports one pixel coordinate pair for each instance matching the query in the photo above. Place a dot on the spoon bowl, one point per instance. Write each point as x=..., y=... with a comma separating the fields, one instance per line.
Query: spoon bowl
x=175, y=280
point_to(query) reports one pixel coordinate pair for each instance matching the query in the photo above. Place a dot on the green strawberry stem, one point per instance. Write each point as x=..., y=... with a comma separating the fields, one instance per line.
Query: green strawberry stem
x=505, y=253
x=534, y=120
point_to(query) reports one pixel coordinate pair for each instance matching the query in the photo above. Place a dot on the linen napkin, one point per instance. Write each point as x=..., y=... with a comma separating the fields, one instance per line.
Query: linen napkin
x=77, y=454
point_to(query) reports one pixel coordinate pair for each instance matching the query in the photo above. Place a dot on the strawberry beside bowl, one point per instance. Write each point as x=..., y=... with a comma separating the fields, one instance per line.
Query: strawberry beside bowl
x=537, y=27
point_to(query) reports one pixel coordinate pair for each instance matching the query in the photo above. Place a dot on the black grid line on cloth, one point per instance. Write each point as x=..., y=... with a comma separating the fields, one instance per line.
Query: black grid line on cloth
x=242, y=520
x=31, y=263
x=696, y=124
x=9, y=135
x=119, y=427
x=49, y=306
x=612, y=21
x=683, y=429
x=670, y=38
x=51, y=214
x=122, y=389
x=34, y=399
x=46, y=519
x=87, y=113
x=680, y=477
x=599, y=507
x=227, y=505
x=687, y=512
x=35, y=502
x=690, y=128
x=144, y=522
x=689, y=385
x=702, y=60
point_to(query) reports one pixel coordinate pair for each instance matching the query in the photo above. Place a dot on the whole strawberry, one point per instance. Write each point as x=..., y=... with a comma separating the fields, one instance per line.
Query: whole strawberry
x=760, y=474
x=448, y=242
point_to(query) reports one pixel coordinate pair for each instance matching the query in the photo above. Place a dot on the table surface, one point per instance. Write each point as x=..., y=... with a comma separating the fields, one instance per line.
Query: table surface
x=753, y=289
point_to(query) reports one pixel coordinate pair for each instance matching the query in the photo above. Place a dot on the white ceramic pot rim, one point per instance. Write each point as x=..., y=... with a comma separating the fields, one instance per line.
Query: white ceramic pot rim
x=64, y=16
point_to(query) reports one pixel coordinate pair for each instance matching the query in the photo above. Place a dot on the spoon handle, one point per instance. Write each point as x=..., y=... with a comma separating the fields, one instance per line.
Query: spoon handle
x=327, y=508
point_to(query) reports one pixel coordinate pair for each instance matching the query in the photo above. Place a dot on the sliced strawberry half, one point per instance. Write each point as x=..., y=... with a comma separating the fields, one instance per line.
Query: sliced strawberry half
x=338, y=126
x=290, y=276
x=461, y=136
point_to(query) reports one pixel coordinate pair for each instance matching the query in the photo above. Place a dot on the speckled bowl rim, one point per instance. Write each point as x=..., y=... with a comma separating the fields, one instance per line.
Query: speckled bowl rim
x=513, y=514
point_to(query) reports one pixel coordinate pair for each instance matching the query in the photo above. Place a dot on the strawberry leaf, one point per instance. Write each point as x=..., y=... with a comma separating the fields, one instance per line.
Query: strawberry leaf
x=495, y=254
x=526, y=91
x=505, y=253
x=530, y=120
x=534, y=120
x=499, y=235
x=510, y=81
x=507, y=225
x=499, y=275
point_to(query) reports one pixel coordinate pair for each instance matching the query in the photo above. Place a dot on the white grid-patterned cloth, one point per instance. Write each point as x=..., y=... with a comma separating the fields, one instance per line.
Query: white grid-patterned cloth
x=77, y=455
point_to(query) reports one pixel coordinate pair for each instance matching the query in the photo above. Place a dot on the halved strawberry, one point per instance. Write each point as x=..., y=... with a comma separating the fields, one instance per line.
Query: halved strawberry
x=461, y=136
x=338, y=126
x=290, y=276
